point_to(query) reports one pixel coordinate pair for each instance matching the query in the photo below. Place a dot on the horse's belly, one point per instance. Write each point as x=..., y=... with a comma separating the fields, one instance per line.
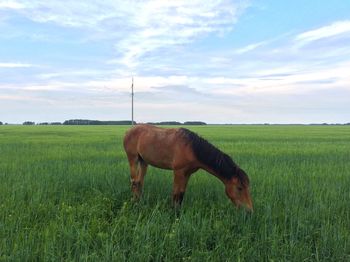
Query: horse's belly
x=158, y=156
x=158, y=164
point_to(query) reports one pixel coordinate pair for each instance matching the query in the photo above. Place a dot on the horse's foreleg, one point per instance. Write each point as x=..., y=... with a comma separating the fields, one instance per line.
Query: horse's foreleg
x=133, y=163
x=180, y=182
x=138, y=170
x=142, y=169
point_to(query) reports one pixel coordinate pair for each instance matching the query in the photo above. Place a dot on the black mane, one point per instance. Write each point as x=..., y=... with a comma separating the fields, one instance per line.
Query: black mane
x=215, y=159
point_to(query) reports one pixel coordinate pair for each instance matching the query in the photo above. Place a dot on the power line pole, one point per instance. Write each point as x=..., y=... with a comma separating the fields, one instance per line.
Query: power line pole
x=132, y=101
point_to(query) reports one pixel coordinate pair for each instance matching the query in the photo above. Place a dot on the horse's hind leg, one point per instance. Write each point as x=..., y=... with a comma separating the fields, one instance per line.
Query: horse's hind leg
x=180, y=182
x=142, y=169
x=138, y=170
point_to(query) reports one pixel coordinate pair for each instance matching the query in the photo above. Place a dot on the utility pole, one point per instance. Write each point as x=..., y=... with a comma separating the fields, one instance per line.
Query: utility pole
x=132, y=101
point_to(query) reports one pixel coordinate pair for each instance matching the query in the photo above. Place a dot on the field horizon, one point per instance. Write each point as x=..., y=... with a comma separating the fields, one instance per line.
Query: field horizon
x=181, y=123
x=65, y=195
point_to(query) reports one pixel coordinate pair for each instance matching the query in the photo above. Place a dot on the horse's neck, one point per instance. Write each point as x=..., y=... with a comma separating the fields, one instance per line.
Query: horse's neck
x=212, y=172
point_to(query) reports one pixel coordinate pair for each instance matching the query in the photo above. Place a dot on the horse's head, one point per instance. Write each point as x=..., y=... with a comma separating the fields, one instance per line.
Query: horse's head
x=237, y=189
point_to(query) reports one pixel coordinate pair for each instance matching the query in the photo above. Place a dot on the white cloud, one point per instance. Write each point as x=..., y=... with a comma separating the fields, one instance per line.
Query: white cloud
x=294, y=82
x=22, y=98
x=250, y=47
x=15, y=65
x=138, y=27
x=8, y=4
x=336, y=28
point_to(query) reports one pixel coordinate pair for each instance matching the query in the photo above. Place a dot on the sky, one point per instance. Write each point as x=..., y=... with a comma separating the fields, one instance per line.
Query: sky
x=245, y=61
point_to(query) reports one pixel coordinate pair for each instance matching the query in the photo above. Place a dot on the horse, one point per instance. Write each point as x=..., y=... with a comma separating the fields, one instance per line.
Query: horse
x=184, y=152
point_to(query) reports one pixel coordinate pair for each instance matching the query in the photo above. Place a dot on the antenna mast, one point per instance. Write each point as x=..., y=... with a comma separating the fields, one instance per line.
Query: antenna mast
x=132, y=101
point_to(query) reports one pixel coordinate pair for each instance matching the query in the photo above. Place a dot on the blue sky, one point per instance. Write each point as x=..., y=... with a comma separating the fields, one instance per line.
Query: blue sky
x=216, y=61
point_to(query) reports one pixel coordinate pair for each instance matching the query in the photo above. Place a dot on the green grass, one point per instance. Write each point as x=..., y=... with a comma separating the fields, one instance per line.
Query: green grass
x=65, y=195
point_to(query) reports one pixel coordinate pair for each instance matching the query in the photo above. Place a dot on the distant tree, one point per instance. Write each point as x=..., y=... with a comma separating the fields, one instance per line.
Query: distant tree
x=95, y=122
x=0, y=123
x=75, y=122
x=28, y=123
x=49, y=123
x=195, y=123
x=168, y=123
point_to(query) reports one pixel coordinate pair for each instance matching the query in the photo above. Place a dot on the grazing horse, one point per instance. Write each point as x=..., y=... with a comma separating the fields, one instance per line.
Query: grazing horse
x=184, y=152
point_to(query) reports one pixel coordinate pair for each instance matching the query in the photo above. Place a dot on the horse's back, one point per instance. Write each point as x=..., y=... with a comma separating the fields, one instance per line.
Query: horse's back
x=145, y=135
x=134, y=134
x=160, y=147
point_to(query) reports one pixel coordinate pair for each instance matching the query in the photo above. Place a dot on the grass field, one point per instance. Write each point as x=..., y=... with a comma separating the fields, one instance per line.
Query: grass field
x=65, y=195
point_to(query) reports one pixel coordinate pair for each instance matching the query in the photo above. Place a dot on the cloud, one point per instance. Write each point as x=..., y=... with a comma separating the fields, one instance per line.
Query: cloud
x=138, y=27
x=334, y=29
x=250, y=47
x=8, y=4
x=291, y=83
x=15, y=65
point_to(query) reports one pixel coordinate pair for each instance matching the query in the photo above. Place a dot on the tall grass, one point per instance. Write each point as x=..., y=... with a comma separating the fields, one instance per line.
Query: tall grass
x=65, y=195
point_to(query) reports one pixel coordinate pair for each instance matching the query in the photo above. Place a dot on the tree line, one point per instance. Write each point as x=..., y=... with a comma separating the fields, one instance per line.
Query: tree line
x=128, y=122
x=173, y=123
x=120, y=122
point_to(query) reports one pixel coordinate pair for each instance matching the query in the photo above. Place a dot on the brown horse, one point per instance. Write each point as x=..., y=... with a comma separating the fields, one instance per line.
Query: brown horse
x=185, y=152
